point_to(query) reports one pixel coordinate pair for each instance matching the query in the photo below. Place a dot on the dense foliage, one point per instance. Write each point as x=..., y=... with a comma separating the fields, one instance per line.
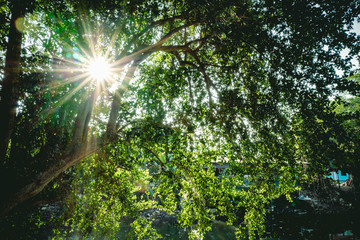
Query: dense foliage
x=246, y=85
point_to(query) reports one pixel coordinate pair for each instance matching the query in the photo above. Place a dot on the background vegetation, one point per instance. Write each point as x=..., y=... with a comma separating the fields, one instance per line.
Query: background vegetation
x=258, y=86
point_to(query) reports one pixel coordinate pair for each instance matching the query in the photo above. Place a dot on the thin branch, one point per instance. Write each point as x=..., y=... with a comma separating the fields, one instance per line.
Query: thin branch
x=206, y=77
x=184, y=47
x=181, y=62
x=112, y=163
x=219, y=66
x=154, y=154
x=158, y=23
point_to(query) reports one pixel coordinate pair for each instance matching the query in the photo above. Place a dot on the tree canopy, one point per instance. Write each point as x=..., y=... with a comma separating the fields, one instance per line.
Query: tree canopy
x=188, y=85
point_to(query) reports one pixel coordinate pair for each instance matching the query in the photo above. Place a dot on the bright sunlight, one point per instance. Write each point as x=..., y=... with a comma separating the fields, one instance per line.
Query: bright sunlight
x=99, y=69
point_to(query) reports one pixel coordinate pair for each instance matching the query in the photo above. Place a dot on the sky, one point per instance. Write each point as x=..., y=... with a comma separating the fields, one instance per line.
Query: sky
x=356, y=27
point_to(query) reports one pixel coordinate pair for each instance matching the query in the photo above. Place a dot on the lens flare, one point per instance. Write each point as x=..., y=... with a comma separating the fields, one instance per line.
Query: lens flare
x=99, y=69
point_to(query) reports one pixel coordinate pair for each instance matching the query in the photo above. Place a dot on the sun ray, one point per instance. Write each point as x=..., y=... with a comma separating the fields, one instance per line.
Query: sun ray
x=83, y=67
x=99, y=69
x=72, y=92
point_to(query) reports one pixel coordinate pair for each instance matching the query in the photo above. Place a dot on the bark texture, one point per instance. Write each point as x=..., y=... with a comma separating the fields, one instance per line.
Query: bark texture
x=9, y=89
x=79, y=149
x=116, y=103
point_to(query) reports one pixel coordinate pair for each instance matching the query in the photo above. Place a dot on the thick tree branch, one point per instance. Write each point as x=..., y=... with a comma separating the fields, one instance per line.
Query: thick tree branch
x=115, y=105
x=135, y=39
x=184, y=62
x=152, y=48
x=200, y=66
x=80, y=148
x=152, y=25
x=35, y=186
x=186, y=46
x=83, y=117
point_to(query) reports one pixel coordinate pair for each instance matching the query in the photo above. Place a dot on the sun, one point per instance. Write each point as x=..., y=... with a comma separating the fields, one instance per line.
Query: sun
x=99, y=69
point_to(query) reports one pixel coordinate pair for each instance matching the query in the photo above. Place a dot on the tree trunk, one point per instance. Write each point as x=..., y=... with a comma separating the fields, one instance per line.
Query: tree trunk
x=9, y=90
x=115, y=105
x=79, y=149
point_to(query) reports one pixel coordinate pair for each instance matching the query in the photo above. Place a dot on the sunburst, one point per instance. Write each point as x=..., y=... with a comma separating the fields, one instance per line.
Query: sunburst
x=99, y=69
x=89, y=67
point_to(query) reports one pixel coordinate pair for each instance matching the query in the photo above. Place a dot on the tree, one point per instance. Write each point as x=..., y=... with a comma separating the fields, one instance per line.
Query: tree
x=11, y=74
x=347, y=109
x=244, y=83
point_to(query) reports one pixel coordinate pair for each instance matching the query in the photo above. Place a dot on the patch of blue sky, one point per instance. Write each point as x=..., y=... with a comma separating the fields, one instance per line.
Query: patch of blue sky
x=345, y=52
